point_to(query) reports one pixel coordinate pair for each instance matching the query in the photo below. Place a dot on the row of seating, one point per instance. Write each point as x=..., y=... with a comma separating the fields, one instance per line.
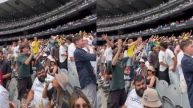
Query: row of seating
x=171, y=95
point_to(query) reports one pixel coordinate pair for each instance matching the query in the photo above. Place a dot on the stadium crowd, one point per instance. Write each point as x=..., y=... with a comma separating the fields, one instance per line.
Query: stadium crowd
x=125, y=18
x=67, y=71
x=146, y=19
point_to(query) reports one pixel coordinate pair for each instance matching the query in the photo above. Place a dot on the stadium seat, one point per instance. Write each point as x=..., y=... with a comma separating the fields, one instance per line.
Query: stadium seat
x=185, y=101
x=173, y=92
x=167, y=102
x=162, y=87
x=177, y=106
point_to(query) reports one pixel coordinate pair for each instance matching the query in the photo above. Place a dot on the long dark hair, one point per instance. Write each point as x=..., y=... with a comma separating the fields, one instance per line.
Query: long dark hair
x=75, y=95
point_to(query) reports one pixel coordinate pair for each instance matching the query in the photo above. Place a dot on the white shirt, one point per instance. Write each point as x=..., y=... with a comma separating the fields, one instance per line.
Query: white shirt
x=161, y=57
x=183, y=84
x=91, y=51
x=133, y=100
x=4, y=97
x=38, y=88
x=108, y=54
x=125, y=54
x=62, y=51
x=179, y=59
x=71, y=49
x=168, y=56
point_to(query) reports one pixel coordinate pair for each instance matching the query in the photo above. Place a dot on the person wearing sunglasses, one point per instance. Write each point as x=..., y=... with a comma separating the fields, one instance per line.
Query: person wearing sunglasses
x=151, y=78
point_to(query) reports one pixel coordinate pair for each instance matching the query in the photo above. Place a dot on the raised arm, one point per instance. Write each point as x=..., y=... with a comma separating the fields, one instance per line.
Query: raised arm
x=115, y=58
x=105, y=37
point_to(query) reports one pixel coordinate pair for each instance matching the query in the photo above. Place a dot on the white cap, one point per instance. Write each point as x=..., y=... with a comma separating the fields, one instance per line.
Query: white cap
x=141, y=60
x=45, y=55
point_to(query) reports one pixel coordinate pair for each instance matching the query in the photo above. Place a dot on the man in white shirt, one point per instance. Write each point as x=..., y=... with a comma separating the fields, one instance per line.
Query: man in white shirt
x=135, y=96
x=163, y=67
x=34, y=97
x=63, y=55
x=171, y=63
x=72, y=72
x=183, y=84
x=4, y=97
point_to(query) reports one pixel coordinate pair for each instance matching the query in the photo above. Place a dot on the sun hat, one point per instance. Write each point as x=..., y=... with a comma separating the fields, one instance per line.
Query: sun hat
x=151, y=68
x=62, y=80
x=150, y=98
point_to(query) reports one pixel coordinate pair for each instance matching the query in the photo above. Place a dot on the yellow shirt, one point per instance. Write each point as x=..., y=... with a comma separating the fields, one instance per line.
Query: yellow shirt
x=35, y=47
x=130, y=50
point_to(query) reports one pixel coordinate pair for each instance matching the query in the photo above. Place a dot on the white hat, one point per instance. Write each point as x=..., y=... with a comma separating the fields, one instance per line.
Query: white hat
x=150, y=98
x=141, y=60
x=151, y=68
x=45, y=55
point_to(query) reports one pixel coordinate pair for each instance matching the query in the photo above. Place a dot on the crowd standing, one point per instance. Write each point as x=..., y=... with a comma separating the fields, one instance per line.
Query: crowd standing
x=136, y=65
x=67, y=71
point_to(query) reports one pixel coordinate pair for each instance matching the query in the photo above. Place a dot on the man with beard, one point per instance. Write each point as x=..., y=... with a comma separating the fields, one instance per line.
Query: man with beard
x=34, y=97
x=134, y=97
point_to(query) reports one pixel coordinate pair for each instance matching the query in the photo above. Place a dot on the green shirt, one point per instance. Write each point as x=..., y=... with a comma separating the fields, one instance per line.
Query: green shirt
x=23, y=69
x=118, y=82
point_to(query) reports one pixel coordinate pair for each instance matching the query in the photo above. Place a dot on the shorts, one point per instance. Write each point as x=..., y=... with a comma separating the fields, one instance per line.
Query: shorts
x=24, y=85
x=116, y=99
x=63, y=65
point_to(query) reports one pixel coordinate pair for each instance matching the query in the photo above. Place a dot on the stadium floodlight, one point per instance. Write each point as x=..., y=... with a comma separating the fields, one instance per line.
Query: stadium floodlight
x=2, y=1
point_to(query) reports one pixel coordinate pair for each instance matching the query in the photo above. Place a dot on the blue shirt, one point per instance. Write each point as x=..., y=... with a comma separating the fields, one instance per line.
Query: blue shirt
x=187, y=67
x=84, y=68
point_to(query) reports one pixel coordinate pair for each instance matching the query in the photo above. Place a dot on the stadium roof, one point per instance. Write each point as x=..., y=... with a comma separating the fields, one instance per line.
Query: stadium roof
x=17, y=9
x=116, y=7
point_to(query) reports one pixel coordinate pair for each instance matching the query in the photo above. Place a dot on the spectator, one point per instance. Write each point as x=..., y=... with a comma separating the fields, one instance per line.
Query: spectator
x=5, y=69
x=85, y=70
x=35, y=46
x=163, y=68
x=53, y=68
x=4, y=97
x=24, y=71
x=171, y=61
x=142, y=70
x=63, y=55
x=187, y=67
x=154, y=60
x=117, y=95
x=71, y=62
x=151, y=99
x=151, y=78
x=183, y=84
x=79, y=100
x=135, y=96
x=34, y=97
x=61, y=96
x=55, y=52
